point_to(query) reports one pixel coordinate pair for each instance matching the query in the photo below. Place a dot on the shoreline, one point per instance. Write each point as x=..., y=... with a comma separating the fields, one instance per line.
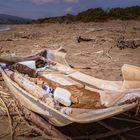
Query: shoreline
x=2, y=28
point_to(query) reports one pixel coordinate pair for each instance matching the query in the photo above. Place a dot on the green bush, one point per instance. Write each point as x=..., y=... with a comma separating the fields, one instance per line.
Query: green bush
x=96, y=14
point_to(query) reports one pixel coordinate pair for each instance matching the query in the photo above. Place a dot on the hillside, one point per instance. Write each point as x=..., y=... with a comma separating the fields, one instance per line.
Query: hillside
x=8, y=19
x=95, y=15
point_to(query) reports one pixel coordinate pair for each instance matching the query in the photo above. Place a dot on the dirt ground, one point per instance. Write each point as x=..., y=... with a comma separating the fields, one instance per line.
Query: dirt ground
x=103, y=56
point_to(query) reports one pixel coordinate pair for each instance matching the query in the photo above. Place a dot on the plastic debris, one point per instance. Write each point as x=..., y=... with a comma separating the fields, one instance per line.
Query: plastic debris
x=62, y=96
x=47, y=88
x=3, y=65
x=30, y=64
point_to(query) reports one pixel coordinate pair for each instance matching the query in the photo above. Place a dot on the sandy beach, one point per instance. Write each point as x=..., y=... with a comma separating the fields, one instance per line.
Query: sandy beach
x=100, y=58
x=26, y=39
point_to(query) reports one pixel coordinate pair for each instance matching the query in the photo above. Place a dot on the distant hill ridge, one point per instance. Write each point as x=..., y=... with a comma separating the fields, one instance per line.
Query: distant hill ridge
x=9, y=19
x=96, y=14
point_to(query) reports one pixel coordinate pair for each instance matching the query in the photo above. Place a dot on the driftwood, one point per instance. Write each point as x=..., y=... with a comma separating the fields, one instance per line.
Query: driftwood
x=24, y=69
x=40, y=123
x=80, y=39
x=2, y=113
x=11, y=60
x=110, y=133
x=33, y=89
x=94, y=30
x=10, y=118
x=33, y=120
x=123, y=43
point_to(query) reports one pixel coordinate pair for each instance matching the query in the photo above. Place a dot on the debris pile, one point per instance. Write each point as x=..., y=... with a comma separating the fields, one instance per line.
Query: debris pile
x=56, y=90
x=67, y=91
x=123, y=43
x=48, y=82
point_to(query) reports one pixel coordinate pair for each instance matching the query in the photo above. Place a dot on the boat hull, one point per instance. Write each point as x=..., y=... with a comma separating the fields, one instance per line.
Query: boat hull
x=54, y=116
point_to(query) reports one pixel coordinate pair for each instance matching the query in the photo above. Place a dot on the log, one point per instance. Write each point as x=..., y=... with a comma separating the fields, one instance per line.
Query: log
x=113, y=133
x=24, y=69
x=12, y=60
x=2, y=113
x=81, y=39
x=40, y=123
x=33, y=89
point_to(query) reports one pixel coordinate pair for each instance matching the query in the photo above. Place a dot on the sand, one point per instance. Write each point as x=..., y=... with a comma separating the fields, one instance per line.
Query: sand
x=22, y=40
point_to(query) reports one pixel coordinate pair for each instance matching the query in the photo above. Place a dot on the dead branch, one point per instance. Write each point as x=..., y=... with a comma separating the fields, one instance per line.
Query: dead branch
x=31, y=126
x=12, y=60
x=3, y=135
x=79, y=67
x=133, y=136
x=108, y=53
x=127, y=120
x=3, y=113
x=80, y=39
x=4, y=93
x=41, y=125
x=123, y=43
x=137, y=110
x=106, y=126
x=111, y=133
x=10, y=119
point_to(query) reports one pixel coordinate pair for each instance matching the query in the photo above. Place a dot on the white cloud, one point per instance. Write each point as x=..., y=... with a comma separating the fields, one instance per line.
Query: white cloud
x=45, y=1
x=69, y=9
x=50, y=1
x=71, y=1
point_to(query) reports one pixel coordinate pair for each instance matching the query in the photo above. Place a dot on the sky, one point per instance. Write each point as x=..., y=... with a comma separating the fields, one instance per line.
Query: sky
x=45, y=8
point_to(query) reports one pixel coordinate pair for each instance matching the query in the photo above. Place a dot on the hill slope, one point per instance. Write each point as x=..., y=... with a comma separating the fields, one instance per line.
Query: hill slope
x=8, y=19
x=96, y=14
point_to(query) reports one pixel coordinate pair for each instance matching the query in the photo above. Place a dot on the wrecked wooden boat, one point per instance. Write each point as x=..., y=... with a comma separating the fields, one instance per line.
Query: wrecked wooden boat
x=113, y=94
